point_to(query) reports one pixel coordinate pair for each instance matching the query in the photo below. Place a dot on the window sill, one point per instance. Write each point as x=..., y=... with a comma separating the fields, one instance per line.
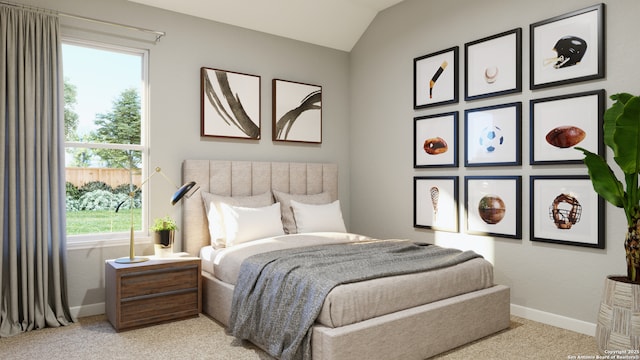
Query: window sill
x=77, y=244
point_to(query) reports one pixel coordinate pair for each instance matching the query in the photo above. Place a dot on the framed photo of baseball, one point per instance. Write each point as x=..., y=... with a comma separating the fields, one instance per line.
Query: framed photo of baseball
x=568, y=48
x=566, y=210
x=435, y=203
x=493, y=65
x=493, y=205
x=492, y=135
x=561, y=122
x=435, y=140
x=435, y=79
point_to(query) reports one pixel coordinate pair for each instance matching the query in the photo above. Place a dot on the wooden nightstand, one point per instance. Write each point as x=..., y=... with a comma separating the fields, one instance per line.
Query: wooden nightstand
x=154, y=291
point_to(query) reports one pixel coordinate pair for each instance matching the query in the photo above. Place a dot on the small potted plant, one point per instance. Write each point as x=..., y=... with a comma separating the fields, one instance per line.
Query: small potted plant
x=164, y=232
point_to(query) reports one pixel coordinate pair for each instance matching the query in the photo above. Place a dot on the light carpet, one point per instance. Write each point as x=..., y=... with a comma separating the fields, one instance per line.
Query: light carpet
x=202, y=338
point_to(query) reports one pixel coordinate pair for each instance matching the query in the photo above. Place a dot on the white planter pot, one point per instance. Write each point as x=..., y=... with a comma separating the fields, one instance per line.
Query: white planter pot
x=618, y=326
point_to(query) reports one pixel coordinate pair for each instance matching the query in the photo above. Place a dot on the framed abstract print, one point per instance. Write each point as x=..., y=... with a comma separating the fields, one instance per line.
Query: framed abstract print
x=222, y=113
x=297, y=112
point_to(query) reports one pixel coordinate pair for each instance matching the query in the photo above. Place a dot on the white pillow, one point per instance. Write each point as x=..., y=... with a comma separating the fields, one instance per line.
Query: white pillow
x=314, y=218
x=214, y=213
x=244, y=224
x=284, y=199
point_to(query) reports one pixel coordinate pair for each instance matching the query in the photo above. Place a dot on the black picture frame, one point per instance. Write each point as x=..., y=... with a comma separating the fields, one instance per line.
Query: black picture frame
x=435, y=79
x=493, y=135
x=221, y=113
x=566, y=210
x=559, y=123
x=568, y=48
x=493, y=205
x=493, y=65
x=435, y=203
x=435, y=140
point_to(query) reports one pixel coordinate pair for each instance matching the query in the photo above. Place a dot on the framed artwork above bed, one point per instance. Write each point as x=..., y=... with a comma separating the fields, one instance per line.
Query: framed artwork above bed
x=229, y=104
x=297, y=112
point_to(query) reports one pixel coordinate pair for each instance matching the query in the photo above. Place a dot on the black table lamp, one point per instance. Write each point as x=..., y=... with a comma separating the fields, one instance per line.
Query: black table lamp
x=187, y=190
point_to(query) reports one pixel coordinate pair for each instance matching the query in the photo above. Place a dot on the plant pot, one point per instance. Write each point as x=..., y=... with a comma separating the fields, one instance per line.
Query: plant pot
x=163, y=242
x=618, y=326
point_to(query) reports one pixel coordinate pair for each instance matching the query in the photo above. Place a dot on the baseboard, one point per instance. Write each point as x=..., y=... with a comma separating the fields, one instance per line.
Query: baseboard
x=87, y=310
x=563, y=322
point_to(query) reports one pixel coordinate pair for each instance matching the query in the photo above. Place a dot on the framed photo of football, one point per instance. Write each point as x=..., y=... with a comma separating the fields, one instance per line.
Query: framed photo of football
x=492, y=135
x=560, y=123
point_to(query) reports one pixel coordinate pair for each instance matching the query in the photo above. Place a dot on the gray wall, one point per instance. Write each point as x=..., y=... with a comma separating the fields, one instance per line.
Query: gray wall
x=175, y=63
x=367, y=127
x=545, y=279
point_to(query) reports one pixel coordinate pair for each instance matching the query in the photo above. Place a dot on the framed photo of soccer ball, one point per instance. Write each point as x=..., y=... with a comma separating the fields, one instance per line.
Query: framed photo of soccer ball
x=492, y=135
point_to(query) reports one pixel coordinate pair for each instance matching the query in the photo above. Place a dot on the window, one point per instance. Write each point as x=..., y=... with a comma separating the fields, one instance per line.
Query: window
x=105, y=97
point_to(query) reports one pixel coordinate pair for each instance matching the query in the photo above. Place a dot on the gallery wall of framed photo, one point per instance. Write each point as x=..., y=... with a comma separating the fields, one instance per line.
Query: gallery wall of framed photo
x=564, y=51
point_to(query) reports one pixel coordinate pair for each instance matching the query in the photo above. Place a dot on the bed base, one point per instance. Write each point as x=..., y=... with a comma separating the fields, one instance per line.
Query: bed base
x=415, y=333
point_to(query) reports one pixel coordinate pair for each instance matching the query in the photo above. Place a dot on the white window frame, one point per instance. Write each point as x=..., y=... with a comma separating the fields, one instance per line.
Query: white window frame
x=83, y=241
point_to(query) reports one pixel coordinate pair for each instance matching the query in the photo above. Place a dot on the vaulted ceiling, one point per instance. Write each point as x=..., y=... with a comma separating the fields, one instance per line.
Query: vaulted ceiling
x=336, y=24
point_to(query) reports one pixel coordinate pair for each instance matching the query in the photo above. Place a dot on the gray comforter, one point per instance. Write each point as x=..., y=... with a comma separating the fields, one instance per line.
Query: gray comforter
x=279, y=294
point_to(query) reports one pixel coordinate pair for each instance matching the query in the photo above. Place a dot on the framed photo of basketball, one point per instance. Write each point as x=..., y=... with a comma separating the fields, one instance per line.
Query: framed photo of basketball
x=493, y=205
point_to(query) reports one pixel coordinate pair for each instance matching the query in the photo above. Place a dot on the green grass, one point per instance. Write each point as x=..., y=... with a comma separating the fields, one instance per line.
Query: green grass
x=95, y=222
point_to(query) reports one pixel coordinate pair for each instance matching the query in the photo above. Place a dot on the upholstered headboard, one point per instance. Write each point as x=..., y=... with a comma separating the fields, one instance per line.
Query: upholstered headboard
x=243, y=178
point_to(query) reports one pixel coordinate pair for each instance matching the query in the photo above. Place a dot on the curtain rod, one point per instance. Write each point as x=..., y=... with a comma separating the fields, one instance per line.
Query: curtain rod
x=158, y=34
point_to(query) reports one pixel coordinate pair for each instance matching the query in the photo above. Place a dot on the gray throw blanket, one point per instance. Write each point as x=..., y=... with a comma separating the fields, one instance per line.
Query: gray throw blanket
x=279, y=294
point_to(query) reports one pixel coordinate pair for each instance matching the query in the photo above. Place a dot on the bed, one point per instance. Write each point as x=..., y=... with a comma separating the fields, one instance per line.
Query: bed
x=450, y=307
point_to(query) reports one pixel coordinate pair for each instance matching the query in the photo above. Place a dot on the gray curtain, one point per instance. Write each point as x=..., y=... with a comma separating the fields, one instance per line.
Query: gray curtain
x=33, y=289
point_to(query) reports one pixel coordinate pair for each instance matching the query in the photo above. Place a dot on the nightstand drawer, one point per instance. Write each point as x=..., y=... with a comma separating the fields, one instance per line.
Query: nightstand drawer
x=158, y=281
x=153, y=291
x=154, y=309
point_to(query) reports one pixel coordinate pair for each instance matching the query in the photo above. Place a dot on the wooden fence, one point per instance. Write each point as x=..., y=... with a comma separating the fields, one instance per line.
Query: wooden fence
x=112, y=177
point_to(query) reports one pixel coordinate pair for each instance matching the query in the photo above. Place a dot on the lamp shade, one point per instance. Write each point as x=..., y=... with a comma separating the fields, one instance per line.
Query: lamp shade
x=182, y=191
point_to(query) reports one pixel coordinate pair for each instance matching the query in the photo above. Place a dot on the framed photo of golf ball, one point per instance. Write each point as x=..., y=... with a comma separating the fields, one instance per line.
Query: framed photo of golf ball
x=435, y=203
x=493, y=65
x=493, y=205
x=560, y=123
x=492, y=135
x=566, y=210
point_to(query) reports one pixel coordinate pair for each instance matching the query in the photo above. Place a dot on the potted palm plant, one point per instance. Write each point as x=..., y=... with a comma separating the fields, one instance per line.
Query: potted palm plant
x=164, y=233
x=622, y=136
